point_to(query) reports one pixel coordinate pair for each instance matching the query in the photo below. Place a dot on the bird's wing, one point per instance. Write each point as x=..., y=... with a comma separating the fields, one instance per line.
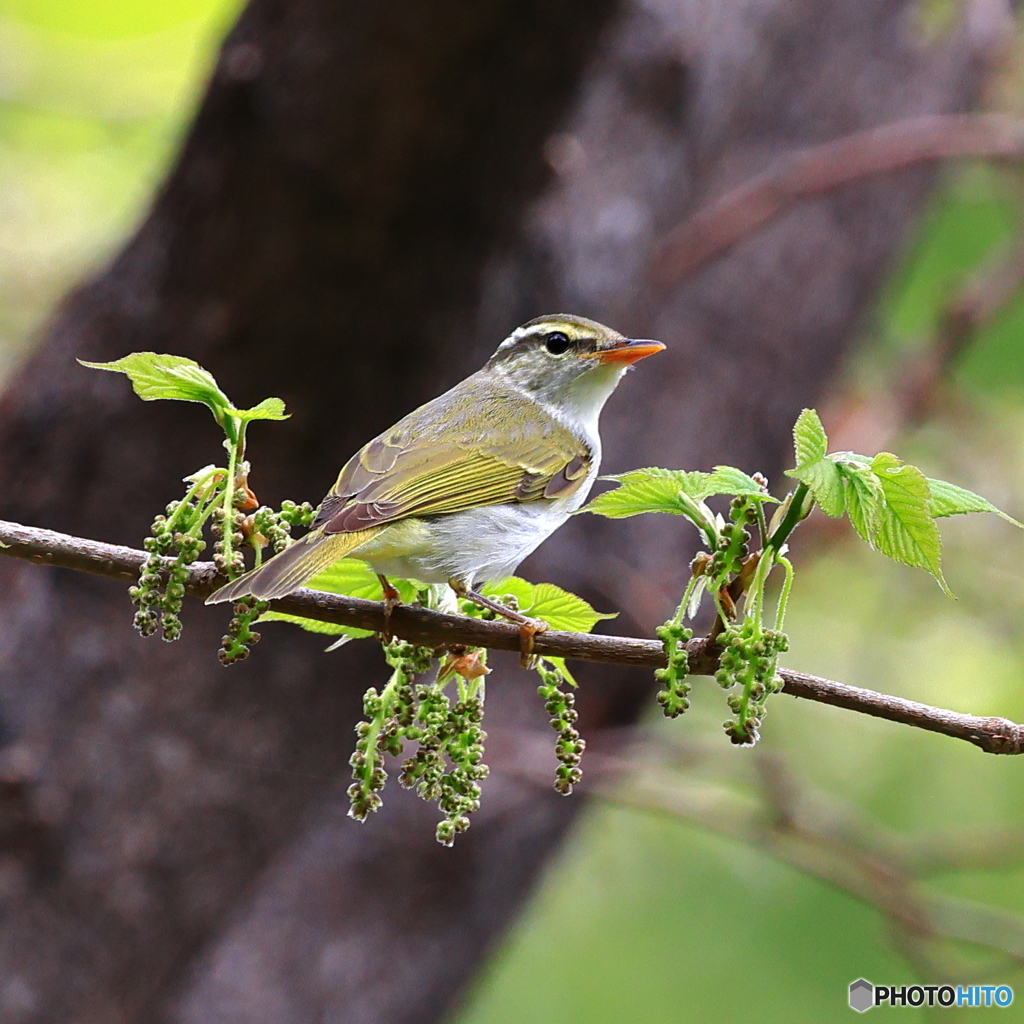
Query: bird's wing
x=491, y=450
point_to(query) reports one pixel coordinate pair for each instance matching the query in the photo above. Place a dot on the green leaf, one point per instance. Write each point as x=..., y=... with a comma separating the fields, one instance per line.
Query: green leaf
x=648, y=490
x=562, y=610
x=658, y=490
x=351, y=577
x=348, y=577
x=268, y=409
x=809, y=438
x=825, y=483
x=557, y=607
x=906, y=531
x=813, y=468
x=732, y=481
x=863, y=495
x=316, y=626
x=511, y=586
x=949, y=500
x=156, y=376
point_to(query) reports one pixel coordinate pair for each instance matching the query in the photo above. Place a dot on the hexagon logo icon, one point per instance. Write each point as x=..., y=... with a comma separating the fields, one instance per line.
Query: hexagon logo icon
x=862, y=995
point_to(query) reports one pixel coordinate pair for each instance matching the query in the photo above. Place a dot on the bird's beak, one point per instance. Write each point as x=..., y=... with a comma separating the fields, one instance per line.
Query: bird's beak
x=628, y=351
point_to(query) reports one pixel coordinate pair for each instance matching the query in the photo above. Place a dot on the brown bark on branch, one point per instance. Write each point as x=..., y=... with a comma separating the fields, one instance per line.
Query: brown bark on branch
x=438, y=629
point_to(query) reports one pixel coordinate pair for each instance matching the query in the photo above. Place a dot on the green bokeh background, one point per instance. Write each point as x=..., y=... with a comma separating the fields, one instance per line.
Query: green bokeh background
x=646, y=917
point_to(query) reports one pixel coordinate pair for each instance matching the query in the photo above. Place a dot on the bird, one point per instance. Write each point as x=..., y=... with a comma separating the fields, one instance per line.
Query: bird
x=463, y=488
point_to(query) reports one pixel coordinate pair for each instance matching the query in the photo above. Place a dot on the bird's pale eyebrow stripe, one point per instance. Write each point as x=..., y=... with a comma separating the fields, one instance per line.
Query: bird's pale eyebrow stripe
x=517, y=335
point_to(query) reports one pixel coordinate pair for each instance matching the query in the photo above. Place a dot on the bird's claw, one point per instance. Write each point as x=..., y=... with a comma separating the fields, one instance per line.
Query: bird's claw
x=528, y=629
x=392, y=599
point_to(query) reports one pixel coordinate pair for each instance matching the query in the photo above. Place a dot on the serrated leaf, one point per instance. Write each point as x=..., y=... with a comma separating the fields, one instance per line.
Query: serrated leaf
x=268, y=409
x=949, y=500
x=823, y=479
x=658, y=490
x=647, y=490
x=863, y=495
x=559, y=608
x=906, y=531
x=810, y=441
x=156, y=376
x=813, y=469
x=563, y=610
x=732, y=481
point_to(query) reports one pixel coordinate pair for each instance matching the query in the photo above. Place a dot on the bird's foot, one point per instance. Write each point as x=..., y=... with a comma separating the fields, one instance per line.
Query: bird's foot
x=528, y=628
x=392, y=599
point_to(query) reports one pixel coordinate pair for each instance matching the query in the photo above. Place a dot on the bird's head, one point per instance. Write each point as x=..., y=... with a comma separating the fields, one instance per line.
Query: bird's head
x=561, y=358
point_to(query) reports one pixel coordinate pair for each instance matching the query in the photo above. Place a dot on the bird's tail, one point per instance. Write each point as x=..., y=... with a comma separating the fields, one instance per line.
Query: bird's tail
x=295, y=565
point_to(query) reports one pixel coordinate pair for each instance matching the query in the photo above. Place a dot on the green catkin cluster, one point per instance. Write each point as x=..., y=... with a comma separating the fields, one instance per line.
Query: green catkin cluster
x=428, y=718
x=231, y=564
x=558, y=703
x=175, y=543
x=463, y=739
x=235, y=643
x=297, y=515
x=160, y=591
x=189, y=549
x=570, y=746
x=733, y=544
x=674, y=697
x=447, y=765
x=276, y=527
x=268, y=524
x=748, y=662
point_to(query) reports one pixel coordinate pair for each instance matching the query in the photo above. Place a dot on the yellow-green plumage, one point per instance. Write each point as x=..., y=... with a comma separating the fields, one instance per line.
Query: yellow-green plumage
x=472, y=481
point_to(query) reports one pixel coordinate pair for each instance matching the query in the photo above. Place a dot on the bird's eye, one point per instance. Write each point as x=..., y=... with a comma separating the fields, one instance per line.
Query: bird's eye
x=556, y=342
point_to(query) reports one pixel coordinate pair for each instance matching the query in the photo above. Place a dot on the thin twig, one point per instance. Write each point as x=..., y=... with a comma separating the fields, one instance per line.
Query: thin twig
x=810, y=172
x=430, y=628
x=814, y=832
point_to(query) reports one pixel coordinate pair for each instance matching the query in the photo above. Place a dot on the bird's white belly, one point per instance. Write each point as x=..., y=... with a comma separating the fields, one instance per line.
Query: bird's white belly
x=474, y=546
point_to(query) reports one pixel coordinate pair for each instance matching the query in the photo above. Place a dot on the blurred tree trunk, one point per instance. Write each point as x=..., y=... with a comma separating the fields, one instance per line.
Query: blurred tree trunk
x=370, y=197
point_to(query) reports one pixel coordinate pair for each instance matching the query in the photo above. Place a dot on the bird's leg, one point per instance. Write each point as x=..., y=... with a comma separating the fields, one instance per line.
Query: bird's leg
x=392, y=599
x=528, y=628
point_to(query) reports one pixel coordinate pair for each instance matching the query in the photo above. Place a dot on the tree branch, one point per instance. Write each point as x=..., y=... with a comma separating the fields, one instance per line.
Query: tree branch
x=430, y=628
x=809, y=172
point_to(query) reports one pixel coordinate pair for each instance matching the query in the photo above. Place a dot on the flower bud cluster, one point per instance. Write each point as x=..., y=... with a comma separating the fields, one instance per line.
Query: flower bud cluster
x=235, y=643
x=447, y=765
x=297, y=515
x=366, y=768
x=227, y=554
x=569, y=747
x=748, y=661
x=674, y=698
x=160, y=591
x=463, y=739
x=276, y=527
x=733, y=543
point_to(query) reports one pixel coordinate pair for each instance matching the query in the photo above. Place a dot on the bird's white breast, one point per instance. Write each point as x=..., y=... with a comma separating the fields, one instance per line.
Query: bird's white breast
x=477, y=545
